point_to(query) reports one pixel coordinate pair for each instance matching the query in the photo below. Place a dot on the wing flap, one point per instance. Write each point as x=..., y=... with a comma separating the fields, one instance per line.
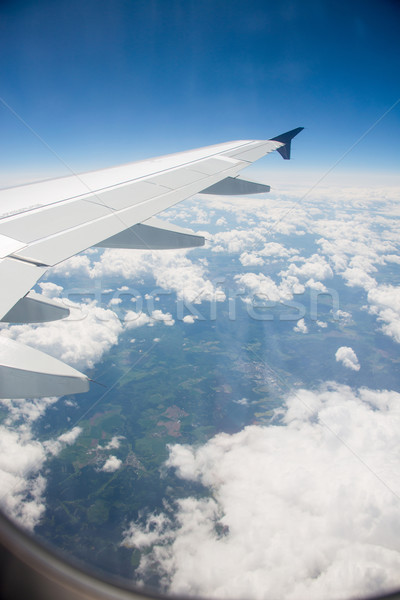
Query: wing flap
x=29, y=373
x=33, y=308
x=17, y=277
x=233, y=186
x=154, y=234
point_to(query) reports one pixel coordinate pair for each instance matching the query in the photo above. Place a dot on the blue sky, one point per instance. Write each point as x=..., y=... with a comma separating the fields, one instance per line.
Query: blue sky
x=104, y=82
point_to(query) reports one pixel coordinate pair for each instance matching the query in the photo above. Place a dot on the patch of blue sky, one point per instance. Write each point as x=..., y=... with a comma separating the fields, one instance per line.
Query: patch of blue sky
x=104, y=83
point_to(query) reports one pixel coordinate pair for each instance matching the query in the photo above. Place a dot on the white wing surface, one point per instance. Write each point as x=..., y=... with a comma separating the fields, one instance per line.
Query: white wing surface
x=44, y=223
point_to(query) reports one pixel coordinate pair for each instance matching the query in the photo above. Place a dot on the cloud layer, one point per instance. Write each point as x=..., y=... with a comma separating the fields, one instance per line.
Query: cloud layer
x=317, y=515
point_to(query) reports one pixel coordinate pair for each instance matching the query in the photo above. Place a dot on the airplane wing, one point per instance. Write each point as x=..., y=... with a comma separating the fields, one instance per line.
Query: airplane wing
x=44, y=223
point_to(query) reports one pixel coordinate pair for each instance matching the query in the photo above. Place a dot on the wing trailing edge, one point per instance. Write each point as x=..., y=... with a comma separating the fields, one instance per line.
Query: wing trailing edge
x=233, y=186
x=33, y=308
x=153, y=234
x=29, y=373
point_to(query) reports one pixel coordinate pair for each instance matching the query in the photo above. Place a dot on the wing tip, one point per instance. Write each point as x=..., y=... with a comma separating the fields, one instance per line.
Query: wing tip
x=286, y=139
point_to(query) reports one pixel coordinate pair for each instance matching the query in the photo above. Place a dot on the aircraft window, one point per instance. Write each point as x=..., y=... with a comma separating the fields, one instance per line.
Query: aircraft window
x=240, y=436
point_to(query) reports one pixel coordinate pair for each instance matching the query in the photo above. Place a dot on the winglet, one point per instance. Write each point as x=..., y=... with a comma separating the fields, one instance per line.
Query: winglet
x=286, y=139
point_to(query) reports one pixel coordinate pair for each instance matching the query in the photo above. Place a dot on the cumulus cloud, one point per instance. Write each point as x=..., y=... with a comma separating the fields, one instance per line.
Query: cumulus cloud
x=357, y=277
x=188, y=319
x=349, y=247
x=277, y=250
x=322, y=324
x=265, y=287
x=81, y=340
x=301, y=327
x=384, y=302
x=115, y=301
x=166, y=318
x=316, y=285
x=237, y=240
x=22, y=459
x=242, y=401
x=112, y=464
x=80, y=264
x=172, y=270
x=250, y=259
x=316, y=516
x=23, y=411
x=348, y=357
x=114, y=443
x=50, y=290
x=22, y=487
x=314, y=268
x=135, y=319
x=65, y=439
x=343, y=315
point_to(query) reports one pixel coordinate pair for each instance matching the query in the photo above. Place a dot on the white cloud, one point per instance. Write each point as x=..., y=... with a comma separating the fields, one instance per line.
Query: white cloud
x=263, y=286
x=250, y=259
x=115, y=301
x=357, y=277
x=114, y=443
x=316, y=516
x=348, y=357
x=166, y=318
x=315, y=267
x=112, y=464
x=65, y=439
x=199, y=215
x=22, y=459
x=135, y=319
x=221, y=222
x=384, y=302
x=25, y=411
x=172, y=270
x=342, y=314
x=188, y=319
x=76, y=264
x=301, y=327
x=276, y=249
x=50, y=290
x=237, y=240
x=316, y=285
x=80, y=340
x=392, y=258
x=242, y=402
